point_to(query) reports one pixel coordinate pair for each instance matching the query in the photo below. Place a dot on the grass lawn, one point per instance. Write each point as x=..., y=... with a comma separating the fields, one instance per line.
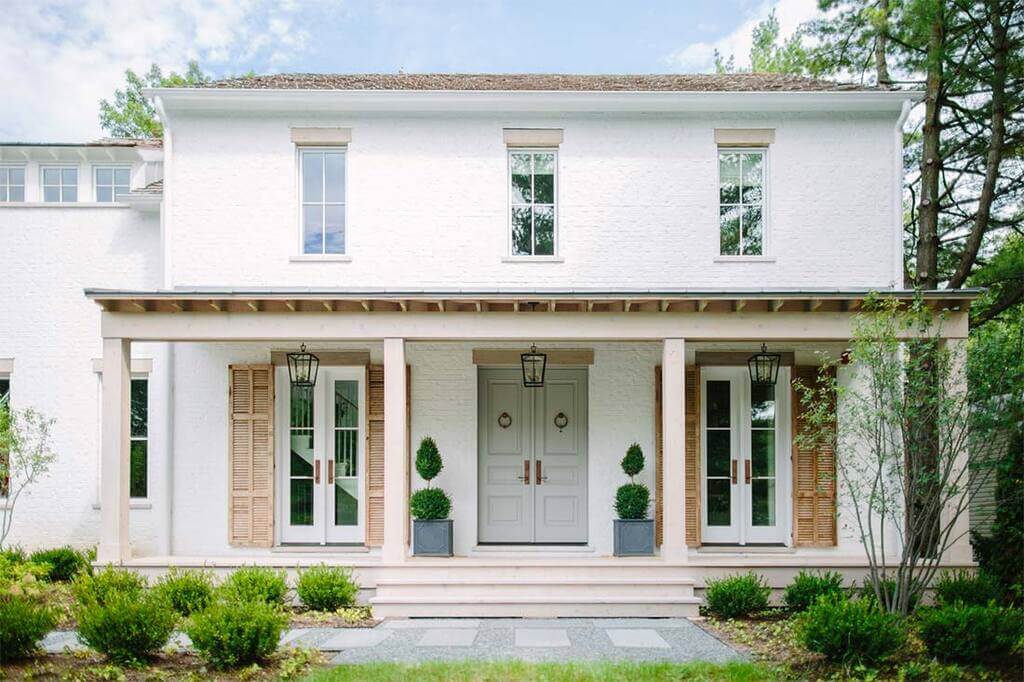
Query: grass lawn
x=475, y=671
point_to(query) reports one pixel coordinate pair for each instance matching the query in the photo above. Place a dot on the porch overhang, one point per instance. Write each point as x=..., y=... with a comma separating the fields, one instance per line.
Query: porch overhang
x=204, y=314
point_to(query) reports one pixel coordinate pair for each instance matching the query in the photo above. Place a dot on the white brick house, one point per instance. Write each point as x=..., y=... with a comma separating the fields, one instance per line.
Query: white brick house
x=418, y=233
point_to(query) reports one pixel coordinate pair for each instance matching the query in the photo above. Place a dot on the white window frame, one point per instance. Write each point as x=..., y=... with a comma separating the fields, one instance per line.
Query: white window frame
x=96, y=185
x=300, y=189
x=144, y=373
x=6, y=194
x=60, y=167
x=765, y=210
x=509, y=248
x=5, y=399
x=136, y=376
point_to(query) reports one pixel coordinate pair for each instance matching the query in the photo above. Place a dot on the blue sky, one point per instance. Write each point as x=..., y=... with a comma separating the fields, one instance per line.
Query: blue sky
x=63, y=56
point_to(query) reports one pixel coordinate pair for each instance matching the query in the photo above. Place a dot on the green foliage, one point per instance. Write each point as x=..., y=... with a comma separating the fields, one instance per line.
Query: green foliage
x=633, y=462
x=428, y=460
x=24, y=620
x=233, y=633
x=187, y=591
x=768, y=55
x=966, y=587
x=430, y=504
x=736, y=596
x=970, y=633
x=65, y=563
x=119, y=618
x=889, y=590
x=632, y=501
x=851, y=631
x=326, y=588
x=14, y=555
x=131, y=114
x=807, y=587
x=256, y=584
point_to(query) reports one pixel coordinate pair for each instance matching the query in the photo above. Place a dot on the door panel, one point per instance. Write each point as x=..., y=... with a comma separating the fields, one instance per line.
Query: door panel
x=720, y=432
x=505, y=422
x=561, y=457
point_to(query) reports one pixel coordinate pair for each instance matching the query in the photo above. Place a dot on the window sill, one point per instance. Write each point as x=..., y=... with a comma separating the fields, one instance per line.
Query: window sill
x=532, y=259
x=63, y=204
x=744, y=259
x=136, y=503
x=326, y=258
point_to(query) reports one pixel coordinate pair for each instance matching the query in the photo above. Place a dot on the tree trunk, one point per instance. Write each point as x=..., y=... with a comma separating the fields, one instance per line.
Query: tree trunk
x=928, y=213
x=882, y=46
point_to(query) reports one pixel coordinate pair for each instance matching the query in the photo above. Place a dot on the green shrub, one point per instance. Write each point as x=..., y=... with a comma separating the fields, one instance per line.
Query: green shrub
x=970, y=633
x=427, y=504
x=127, y=627
x=254, y=583
x=229, y=634
x=888, y=585
x=632, y=501
x=851, y=631
x=428, y=460
x=15, y=555
x=105, y=586
x=735, y=596
x=24, y=621
x=807, y=587
x=326, y=588
x=187, y=591
x=633, y=463
x=65, y=563
x=965, y=587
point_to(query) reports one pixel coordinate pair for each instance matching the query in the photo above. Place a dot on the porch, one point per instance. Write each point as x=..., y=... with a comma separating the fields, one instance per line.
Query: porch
x=423, y=360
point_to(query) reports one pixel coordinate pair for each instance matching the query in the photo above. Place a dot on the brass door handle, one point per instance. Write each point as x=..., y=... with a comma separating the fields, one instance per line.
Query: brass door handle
x=316, y=472
x=734, y=472
x=540, y=479
x=746, y=471
x=525, y=478
x=330, y=472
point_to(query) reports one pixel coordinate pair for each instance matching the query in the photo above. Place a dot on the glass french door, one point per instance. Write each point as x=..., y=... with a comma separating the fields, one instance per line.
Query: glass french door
x=320, y=465
x=745, y=458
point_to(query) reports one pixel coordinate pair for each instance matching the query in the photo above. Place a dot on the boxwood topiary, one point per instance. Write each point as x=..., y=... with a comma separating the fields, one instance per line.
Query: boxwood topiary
x=429, y=504
x=326, y=588
x=187, y=591
x=632, y=499
x=969, y=633
x=851, y=631
x=428, y=460
x=233, y=633
x=735, y=596
x=255, y=583
x=807, y=588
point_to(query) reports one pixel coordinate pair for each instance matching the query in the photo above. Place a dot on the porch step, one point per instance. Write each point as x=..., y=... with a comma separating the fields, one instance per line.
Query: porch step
x=531, y=607
x=482, y=588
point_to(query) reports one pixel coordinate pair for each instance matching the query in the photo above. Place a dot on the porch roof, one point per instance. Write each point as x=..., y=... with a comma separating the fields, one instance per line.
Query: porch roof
x=582, y=300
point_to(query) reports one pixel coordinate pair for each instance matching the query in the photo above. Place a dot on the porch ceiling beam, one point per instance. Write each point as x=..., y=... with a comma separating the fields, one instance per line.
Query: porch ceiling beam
x=702, y=305
x=290, y=305
x=254, y=306
x=562, y=325
x=216, y=305
x=328, y=306
x=777, y=304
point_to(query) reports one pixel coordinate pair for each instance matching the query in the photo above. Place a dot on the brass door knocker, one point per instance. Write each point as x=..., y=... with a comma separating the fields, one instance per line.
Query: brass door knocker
x=561, y=421
x=504, y=420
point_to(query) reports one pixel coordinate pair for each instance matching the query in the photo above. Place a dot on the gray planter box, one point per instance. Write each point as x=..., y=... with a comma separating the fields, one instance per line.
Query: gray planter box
x=432, y=538
x=634, y=537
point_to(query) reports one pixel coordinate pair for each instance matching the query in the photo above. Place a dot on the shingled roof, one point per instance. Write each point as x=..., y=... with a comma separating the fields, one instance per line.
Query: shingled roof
x=728, y=82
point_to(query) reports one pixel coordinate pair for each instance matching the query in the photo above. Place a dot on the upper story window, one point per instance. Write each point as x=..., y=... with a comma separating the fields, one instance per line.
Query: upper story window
x=532, y=207
x=12, y=183
x=60, y=184
x=323, y=200
x=741, y=201
x=111, y=182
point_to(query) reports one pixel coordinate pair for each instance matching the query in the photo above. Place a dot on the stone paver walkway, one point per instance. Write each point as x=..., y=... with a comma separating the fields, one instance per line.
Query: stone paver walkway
x=528, y=639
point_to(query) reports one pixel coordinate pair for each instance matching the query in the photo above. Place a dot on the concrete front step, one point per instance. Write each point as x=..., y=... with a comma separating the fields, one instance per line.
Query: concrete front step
x=578, y=588
x=496, y=606
x=626, y=570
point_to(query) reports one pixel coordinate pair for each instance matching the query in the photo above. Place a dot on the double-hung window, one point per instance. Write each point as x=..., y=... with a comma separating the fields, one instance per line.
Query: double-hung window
x=12, y=183
x=741, y=201
x=60, y=184
x=532, y=193
x=323, y=200
x=138, y=476
x=111, y=182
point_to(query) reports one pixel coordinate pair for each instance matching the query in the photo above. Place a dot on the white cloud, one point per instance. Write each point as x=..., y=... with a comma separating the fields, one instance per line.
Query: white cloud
x=699, y=57
x=62, y=56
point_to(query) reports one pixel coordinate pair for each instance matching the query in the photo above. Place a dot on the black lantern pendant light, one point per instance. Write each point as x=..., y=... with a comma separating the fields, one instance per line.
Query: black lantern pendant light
x=302, y=367
x=534, y=364
x=764, y=367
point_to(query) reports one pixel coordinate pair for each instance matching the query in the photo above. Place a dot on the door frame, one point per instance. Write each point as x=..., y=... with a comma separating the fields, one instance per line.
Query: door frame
x=741, y=531
x=321, y=532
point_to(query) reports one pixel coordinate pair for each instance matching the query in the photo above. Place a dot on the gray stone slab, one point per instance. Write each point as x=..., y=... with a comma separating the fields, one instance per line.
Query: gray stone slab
x=448, y=637
x=637, y=638
x=656, y=623
x=430, y=623
x=541, y=637
x=179, y=642
x=355, y=638
x=59, y=641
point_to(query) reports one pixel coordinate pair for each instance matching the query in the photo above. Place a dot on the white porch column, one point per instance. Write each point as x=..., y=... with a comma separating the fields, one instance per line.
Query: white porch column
x=673, y=420
x=115, y=452
x=396, y=476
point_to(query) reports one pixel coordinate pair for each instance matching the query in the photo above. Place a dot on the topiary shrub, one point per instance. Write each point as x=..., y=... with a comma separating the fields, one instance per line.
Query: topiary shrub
x=187, y=591
x=632, y=499
x=65, y=563
x=233, y=633
x=326, y=588
x=255, y=583
x=429, y=504
x=969, y=633
x=965, y=587
x=121, y=619
x=735, y=596
x=807, y=587
x=850, y=631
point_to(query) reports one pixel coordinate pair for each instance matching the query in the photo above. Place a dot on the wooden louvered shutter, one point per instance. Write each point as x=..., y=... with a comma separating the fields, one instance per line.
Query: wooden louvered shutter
x=375, y=449
x=814, y=476
x=251, y=456
x=692, y=457
x=692, y=473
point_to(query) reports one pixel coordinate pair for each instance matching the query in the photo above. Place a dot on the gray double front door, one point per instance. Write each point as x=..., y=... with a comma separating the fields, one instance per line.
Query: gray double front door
x=533, y=457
